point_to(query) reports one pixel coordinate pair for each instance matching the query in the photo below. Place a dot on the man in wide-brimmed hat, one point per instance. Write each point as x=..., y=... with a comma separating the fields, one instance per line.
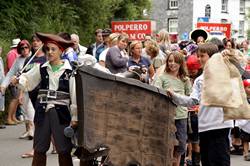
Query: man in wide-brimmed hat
x=56, y=102
x=199, y=36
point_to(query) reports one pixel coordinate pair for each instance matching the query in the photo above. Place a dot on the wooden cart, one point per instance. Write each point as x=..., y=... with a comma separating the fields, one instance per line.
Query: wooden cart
x=132, y=120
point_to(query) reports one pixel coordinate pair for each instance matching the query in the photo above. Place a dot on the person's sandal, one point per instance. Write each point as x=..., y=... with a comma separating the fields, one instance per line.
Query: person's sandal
x=235, y=150
x=247, y=157
x=9, y=122
x=27, y=155
x=189, y=162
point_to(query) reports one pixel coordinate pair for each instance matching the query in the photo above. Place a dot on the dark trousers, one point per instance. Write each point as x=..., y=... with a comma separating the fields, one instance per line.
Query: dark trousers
x=51, y=126
x=215, y=147
x=42, y=138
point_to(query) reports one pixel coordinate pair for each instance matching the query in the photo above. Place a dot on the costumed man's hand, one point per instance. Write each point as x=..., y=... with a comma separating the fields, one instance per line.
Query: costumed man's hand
x=14, y=80
x=2, y=89
x=74, y=124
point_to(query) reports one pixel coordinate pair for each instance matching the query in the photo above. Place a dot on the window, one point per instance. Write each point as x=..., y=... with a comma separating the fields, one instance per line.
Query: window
x=208, y=11
x=223, y=20
x=224, y=4
x=241, y=28
x=173, y=4
x=242, y=6
x=173, y=25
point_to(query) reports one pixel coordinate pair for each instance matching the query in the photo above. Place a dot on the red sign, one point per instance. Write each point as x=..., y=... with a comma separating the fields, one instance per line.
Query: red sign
x=221, y=27
x=135, y=29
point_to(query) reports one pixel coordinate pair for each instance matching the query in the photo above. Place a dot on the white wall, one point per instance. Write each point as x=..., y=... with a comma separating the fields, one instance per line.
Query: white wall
x=199, y=9
x=247, y=23
x=233, y=15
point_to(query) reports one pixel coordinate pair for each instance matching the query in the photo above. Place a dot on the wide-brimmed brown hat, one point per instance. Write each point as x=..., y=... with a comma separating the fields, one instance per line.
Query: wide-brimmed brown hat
x=46, y=38
x=198, y=32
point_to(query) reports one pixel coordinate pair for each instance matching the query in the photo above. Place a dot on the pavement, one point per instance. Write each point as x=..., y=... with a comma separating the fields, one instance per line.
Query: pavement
x=11, y=148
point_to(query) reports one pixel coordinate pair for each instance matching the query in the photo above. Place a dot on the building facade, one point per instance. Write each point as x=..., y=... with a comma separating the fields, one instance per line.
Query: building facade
x=181, y=16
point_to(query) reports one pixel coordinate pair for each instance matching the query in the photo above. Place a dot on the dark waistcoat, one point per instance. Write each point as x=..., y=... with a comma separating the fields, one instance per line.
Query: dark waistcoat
x=62, y=110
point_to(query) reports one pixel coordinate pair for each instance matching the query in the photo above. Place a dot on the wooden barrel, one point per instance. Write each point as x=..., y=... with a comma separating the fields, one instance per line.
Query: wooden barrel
x=133, y=120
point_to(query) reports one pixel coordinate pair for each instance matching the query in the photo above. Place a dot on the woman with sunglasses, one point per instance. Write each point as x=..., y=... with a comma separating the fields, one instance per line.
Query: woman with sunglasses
x=23, y=49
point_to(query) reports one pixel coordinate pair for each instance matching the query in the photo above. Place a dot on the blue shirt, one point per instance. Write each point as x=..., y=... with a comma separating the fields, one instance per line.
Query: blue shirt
x=143, y=62
x=98, y=51
x=70, y=55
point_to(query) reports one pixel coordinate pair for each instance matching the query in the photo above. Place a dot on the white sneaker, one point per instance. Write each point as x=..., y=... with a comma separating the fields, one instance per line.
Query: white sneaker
x=26, y=135
x=21, y=118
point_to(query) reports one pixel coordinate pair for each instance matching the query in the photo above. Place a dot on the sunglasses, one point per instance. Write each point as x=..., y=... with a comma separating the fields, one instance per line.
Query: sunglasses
x=22, y=48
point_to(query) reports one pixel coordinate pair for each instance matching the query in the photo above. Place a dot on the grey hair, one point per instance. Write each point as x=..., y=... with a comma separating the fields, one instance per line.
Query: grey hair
x=74, y=36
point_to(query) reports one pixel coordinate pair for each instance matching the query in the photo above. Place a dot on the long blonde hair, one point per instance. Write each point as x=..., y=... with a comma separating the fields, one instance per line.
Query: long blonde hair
x=164, y=37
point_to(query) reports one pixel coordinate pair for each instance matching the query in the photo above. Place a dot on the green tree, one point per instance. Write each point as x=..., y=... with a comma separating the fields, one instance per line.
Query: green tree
x=14, y=18
x=132, y=9
x=21, y=18
x=95, y=14
x=56, y=17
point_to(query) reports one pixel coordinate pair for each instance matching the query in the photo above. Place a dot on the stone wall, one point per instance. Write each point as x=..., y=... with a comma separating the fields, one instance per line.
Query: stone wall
x=161, y=14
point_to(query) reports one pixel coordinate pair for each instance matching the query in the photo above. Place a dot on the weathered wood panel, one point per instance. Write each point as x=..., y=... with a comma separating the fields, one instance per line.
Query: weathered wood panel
x=134, y=120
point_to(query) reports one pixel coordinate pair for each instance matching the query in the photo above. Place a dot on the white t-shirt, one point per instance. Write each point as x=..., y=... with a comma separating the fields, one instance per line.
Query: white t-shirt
x=243, y=125
x=102, y=56
x=209, y=118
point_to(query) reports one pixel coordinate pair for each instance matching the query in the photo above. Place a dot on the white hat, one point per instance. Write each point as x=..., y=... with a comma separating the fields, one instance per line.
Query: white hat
x=15, y=42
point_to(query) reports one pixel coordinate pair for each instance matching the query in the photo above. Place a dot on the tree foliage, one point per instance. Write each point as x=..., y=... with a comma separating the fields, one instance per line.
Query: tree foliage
x=21, y=18
x=131, y=9
x=95, y=14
